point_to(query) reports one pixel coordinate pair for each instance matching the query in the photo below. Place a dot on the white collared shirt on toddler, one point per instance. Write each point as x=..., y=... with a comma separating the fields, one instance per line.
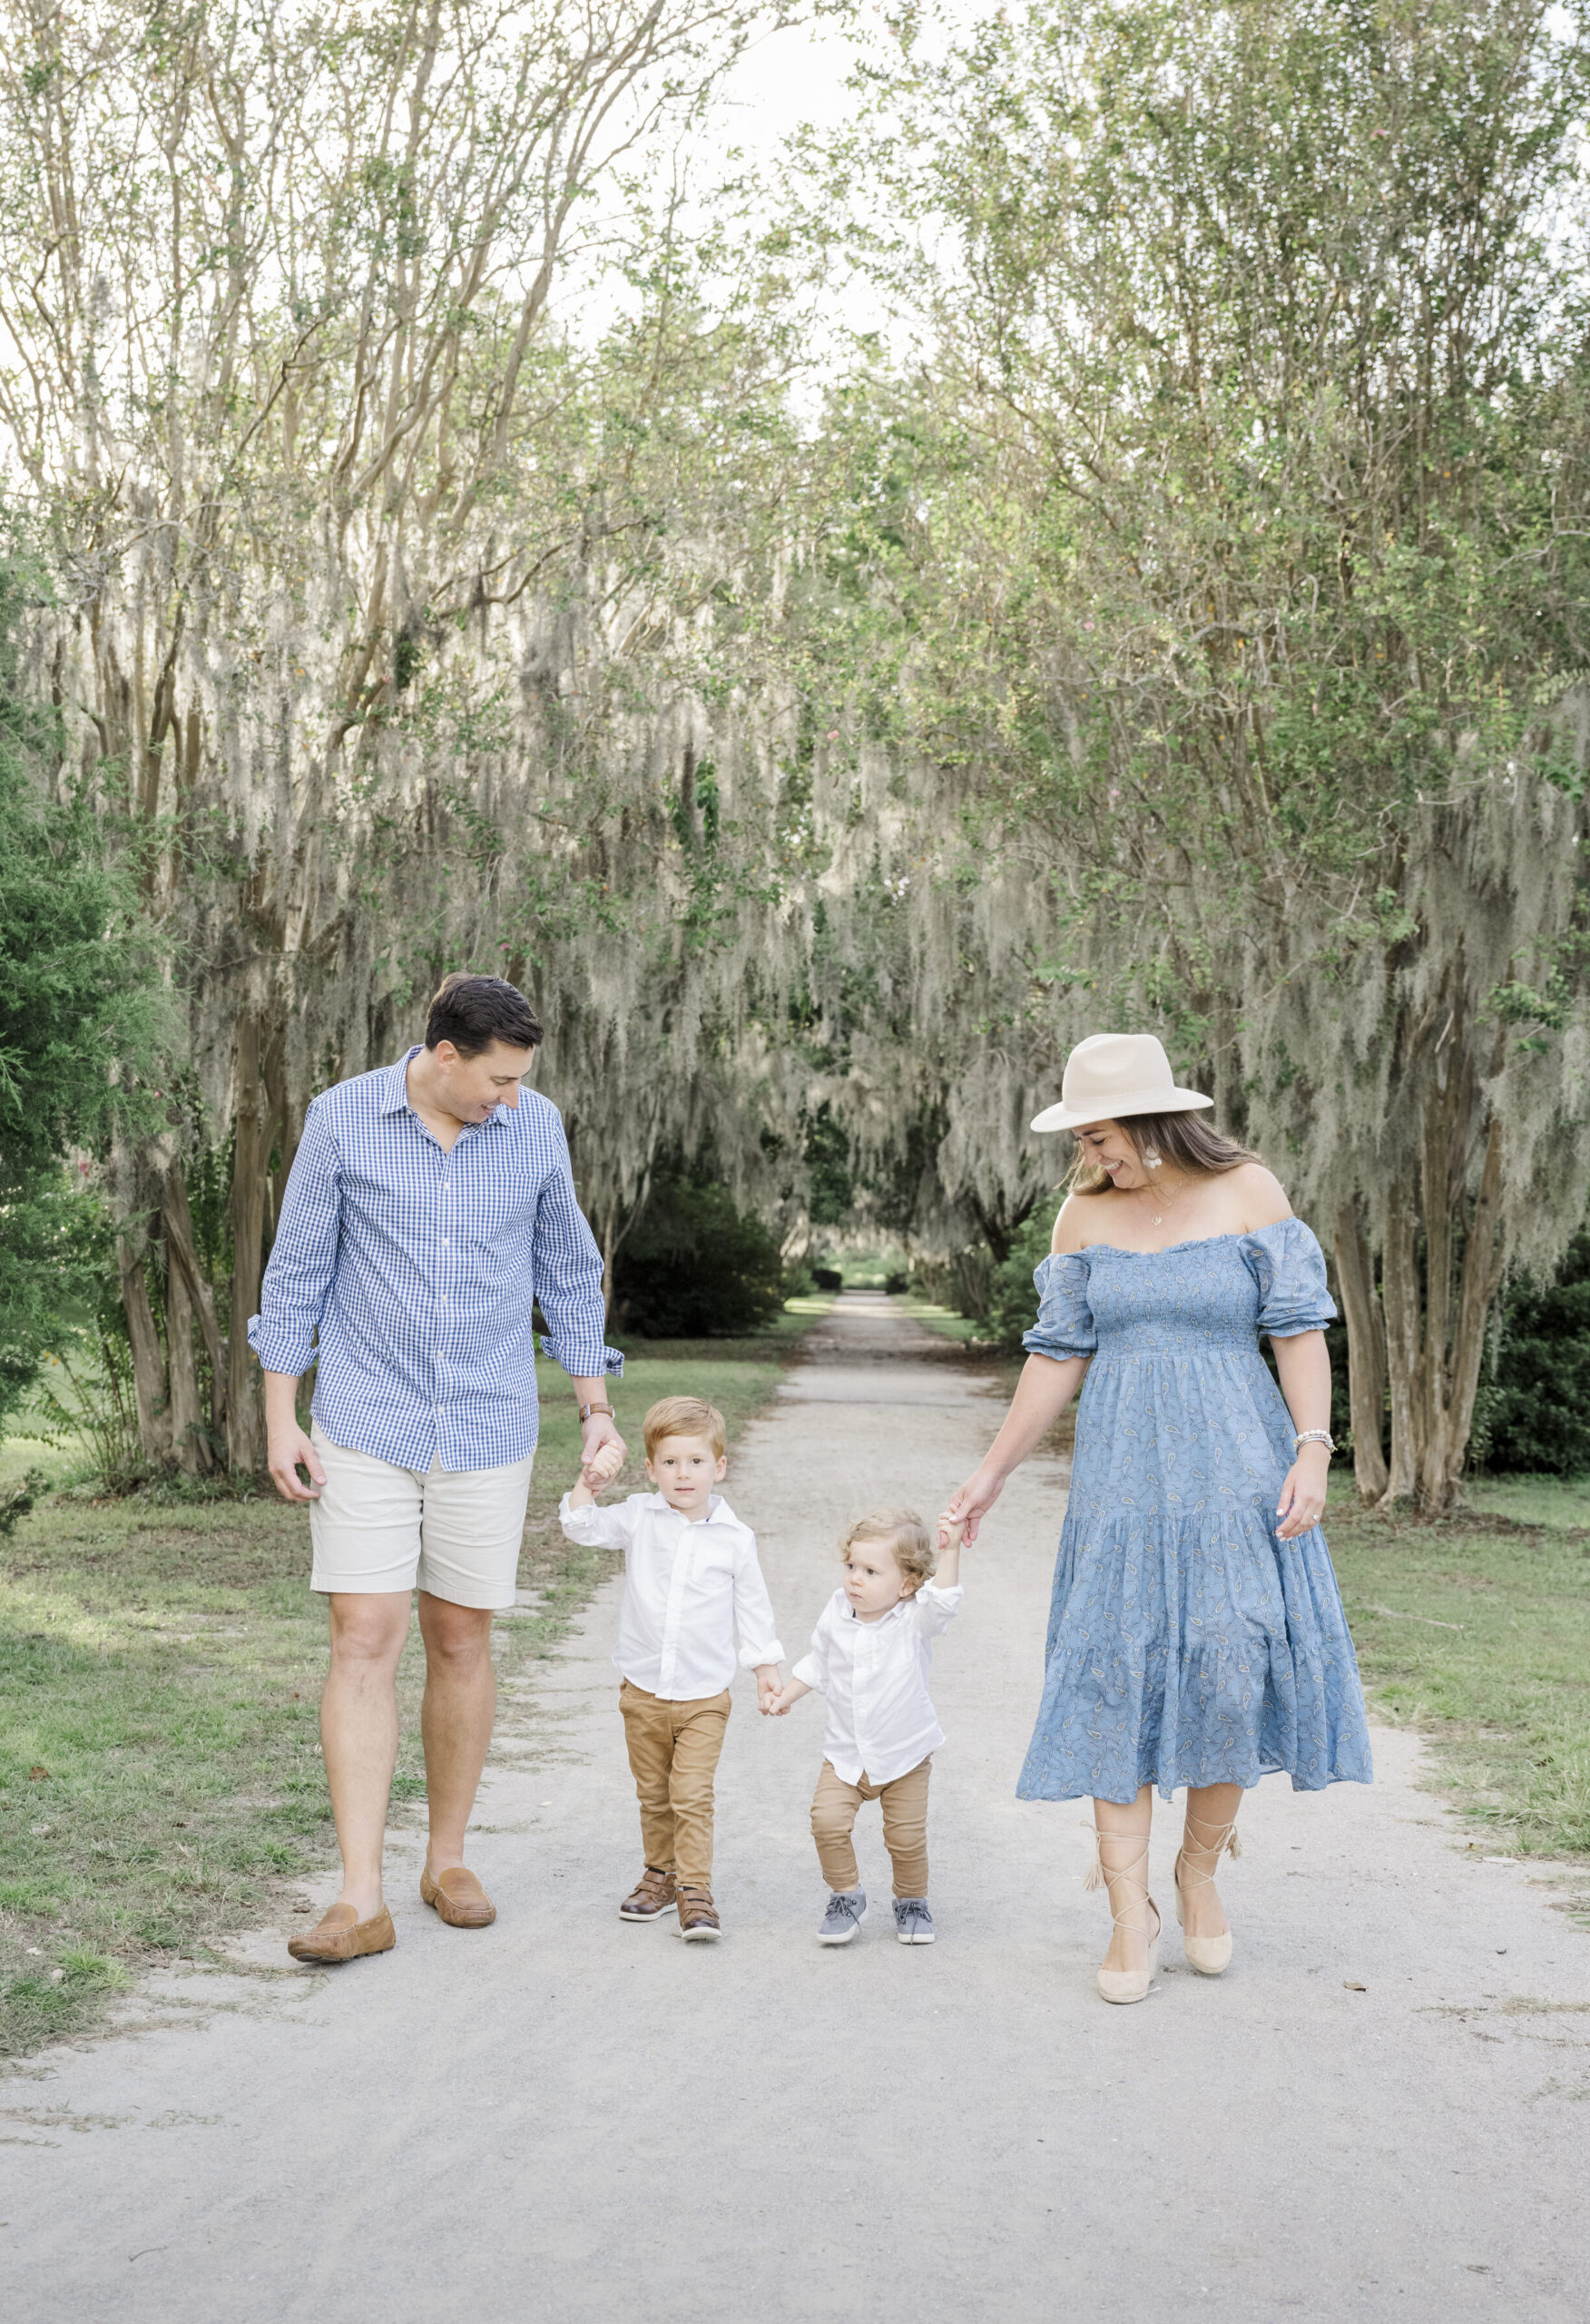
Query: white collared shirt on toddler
x=881, y=1719
x=688, y=1585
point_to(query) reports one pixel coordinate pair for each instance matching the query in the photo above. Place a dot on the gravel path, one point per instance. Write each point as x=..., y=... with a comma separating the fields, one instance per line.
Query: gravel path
x=565, y=2118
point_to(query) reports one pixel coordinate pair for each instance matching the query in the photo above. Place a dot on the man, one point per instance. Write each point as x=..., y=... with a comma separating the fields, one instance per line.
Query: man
x=429, y=1203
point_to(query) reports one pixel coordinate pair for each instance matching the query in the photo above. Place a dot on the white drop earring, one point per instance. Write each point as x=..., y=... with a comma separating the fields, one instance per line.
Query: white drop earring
x=1151, y=1160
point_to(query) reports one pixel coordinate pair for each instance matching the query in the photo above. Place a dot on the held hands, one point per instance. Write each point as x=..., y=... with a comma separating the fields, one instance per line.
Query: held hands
x=783, y=1699
x=969, y=1506
x=767, y=1688
x=1302, y=1493
x=602, y=1464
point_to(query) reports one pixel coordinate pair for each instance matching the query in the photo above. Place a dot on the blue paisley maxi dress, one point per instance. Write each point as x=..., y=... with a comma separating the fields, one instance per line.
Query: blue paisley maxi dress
x=1188, y=1643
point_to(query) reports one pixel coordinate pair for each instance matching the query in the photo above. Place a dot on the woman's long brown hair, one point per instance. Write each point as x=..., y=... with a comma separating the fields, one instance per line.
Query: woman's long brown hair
x=1185, y=1141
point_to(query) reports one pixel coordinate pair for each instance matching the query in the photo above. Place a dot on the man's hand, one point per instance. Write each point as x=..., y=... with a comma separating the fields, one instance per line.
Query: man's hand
x=767, y=1687
x=288, y=1447
x=599, y=1430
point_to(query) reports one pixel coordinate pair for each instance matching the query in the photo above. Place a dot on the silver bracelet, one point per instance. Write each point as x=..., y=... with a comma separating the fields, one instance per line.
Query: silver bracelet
x=1314, y=1436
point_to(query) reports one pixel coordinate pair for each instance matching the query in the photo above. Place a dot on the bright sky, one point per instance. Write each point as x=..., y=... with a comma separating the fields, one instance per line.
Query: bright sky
x=784, y=81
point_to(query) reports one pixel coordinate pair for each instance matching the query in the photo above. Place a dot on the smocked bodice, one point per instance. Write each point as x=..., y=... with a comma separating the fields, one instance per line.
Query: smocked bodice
x=1213, y=1296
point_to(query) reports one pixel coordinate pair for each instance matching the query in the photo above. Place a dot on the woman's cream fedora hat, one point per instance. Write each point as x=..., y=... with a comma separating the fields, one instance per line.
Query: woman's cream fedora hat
x=1113, y=1074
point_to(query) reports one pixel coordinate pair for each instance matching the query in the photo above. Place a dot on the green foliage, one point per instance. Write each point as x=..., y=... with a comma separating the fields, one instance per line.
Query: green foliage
x=1533, y=1410
x=80, y=1019
x=830, y=1183
x=692, y=1266
x=1013, y=1302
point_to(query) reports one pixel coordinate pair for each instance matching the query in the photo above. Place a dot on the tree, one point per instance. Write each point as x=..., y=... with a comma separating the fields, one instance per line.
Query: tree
x=379, y=624
x=81, y=1015
x=1238, y=577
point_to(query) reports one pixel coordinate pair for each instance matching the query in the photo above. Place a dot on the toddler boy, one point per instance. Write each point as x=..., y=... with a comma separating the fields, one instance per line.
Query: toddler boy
x=691, y=1581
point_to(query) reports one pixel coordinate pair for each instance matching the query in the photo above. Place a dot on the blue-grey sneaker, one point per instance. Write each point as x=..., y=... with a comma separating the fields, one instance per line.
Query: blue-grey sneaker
x=913, y=1921
x=842, y=1920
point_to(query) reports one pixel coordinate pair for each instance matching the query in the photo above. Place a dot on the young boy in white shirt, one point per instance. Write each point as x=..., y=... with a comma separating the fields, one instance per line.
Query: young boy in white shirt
x=692, y=1581
x=871, y=1655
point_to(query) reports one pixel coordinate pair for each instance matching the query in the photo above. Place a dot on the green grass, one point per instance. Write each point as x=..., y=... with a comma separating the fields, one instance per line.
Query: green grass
x=161, y=1660
x=946, y=1321
x=1477, y=1631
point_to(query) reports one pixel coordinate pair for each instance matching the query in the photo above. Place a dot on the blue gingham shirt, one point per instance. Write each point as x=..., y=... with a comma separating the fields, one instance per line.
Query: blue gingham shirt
x=415, y=1271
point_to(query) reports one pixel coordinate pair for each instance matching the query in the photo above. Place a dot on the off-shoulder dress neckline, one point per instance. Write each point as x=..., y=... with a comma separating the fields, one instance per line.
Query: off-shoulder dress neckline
x=1193, y=1243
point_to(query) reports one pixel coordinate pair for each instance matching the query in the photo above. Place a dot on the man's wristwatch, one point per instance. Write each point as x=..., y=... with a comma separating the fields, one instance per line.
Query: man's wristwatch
x=1314, y=1436
x=586, y=1410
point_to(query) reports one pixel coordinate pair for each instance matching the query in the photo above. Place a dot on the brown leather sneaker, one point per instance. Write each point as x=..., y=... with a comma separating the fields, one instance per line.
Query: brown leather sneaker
x=458, y=1897
x=343, y=1937
x=650, y=1897
x=698, y=1917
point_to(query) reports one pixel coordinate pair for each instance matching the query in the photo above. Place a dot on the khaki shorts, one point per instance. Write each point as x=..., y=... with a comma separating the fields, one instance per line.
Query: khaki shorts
x=455, y=1533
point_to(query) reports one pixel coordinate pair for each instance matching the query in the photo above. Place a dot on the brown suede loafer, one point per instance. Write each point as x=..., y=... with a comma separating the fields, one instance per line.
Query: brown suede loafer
x=343, y=1937
x=458, y=1897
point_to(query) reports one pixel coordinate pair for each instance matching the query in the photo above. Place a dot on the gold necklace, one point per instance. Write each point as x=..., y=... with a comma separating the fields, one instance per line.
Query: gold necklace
x=1158, y=1217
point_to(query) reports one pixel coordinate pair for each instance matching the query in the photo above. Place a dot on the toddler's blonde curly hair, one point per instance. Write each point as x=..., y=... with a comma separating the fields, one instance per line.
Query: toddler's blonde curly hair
x=914, y=1548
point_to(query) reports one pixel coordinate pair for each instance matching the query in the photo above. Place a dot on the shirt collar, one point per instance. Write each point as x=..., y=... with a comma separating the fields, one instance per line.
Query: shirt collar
x=901, y=1606
x=718, y=1511
x=395, y=1096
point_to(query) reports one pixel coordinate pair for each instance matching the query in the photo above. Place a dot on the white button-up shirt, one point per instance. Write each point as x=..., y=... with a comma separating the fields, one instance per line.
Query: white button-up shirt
x=880, y=1721
x=688, y=1585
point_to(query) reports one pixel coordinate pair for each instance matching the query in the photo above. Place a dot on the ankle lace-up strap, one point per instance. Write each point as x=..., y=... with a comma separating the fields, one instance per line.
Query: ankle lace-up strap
x=1099, y=1876
x=1227, y=1841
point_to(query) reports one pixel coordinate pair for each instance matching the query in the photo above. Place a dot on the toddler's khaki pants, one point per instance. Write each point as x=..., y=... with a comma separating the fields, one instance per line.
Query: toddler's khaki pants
x=834, y=1808
x=673, y=1751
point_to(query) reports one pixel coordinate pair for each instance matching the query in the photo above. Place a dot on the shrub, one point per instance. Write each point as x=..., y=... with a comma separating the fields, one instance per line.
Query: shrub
x=1011, y=1307
x=1533, y=1410
x=828, y=1278
x=692, y=1267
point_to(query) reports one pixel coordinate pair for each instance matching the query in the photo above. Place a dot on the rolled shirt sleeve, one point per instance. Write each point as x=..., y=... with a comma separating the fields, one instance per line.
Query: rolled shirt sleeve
x=936, y=1607
x=568, y=1268
x=303, y=1258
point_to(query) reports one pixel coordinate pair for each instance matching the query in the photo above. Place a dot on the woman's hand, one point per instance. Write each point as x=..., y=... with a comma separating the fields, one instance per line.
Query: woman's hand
x=977, y=1497
x=1302, y=1494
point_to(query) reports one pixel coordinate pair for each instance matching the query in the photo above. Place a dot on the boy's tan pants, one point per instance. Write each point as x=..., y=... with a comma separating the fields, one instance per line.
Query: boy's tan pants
x=834, y=1809
x=673, y=1751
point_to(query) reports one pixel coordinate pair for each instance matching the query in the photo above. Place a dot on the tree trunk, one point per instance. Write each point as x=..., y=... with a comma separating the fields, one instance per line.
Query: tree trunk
x=1447, y=1444
x=1366, y=1353
x=183, y=1259
x=245, y=1425
x=149, y=1371
x=190, y=1443
x=1399, y=1299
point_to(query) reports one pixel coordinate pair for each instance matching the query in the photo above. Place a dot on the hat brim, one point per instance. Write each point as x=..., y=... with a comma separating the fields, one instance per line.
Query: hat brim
x=1158, y=1101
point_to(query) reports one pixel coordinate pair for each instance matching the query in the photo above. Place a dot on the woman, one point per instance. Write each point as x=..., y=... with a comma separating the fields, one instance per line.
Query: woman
x=1196, y=1634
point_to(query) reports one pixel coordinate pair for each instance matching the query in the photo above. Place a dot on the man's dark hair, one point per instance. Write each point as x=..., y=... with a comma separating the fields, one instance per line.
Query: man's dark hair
x=471, y=1012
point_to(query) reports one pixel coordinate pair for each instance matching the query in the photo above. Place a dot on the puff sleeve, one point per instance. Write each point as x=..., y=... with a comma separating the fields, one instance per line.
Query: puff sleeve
x=1289, y=1266
x=1065, y=1326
